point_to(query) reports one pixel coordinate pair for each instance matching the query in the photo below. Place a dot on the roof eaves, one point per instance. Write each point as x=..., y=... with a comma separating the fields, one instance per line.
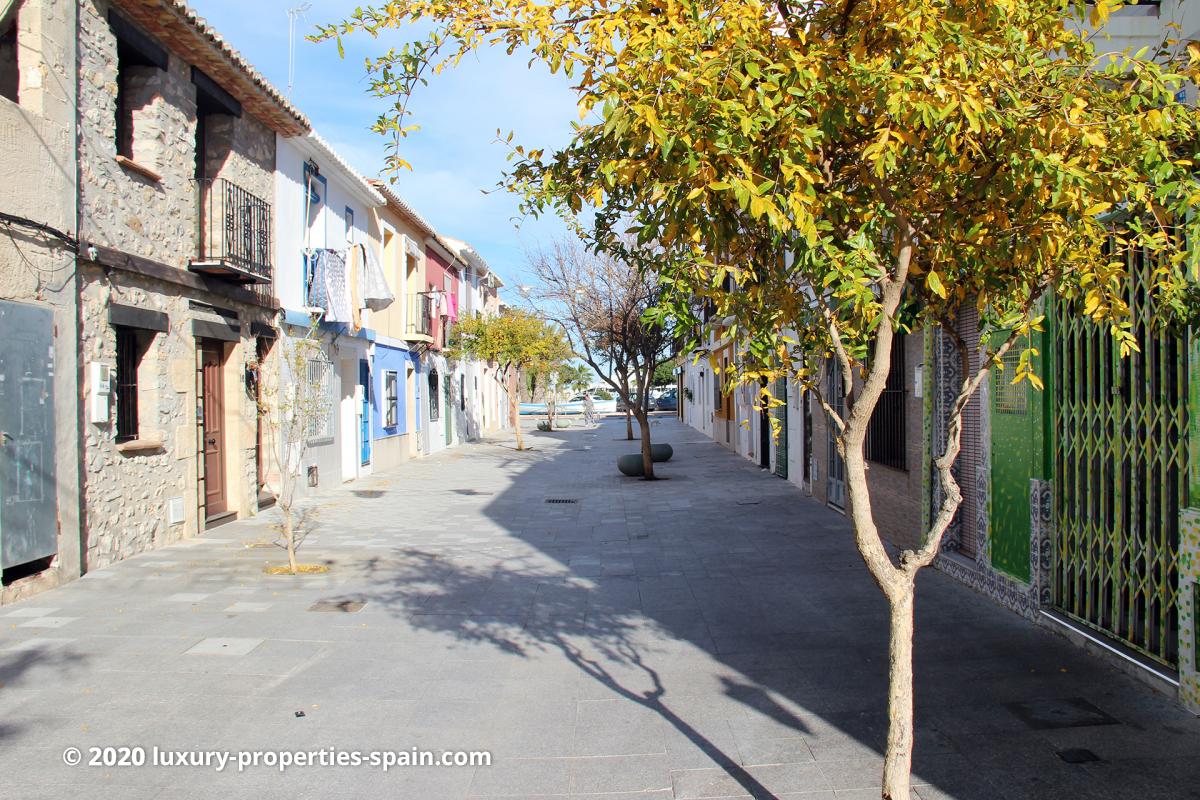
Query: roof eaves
x=280, y=113
x=314, y=145
x=403, y=207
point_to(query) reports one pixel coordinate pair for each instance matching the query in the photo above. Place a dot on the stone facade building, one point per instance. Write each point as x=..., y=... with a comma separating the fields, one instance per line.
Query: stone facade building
x=40, y=525
x=176, y=190
x=163, y=208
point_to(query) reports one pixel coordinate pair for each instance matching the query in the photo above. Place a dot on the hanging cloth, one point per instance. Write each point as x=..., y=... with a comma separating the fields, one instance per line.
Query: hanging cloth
x=318, y=294
x=354, y=270
x=452, y=306
x=338, y=307
x=376, y=294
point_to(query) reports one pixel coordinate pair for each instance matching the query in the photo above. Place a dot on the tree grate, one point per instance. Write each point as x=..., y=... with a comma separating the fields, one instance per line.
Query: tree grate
x=561, y=500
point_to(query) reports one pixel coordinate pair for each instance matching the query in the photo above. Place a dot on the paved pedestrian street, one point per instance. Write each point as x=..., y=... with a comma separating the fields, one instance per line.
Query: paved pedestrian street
x=712, y=635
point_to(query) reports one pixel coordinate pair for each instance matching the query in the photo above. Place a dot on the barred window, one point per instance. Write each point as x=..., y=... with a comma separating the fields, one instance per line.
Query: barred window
x=320, y=378
x=391, y=398
x=1010, y=398
x=129, y=356
x=886, y=430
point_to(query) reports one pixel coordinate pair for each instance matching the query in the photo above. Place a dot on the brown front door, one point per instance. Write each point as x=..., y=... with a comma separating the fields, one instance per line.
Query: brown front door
x=213, y=398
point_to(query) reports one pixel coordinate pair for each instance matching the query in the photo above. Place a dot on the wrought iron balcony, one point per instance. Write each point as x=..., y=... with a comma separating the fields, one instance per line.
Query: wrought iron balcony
x=419, y=319
x=235, y=234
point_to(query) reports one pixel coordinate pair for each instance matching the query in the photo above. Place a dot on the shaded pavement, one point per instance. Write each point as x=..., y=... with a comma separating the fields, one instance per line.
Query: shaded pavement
x=712, y=635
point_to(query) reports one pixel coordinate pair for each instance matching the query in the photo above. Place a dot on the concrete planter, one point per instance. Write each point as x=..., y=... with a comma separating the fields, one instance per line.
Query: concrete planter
x=631, y=465
x=661, y=452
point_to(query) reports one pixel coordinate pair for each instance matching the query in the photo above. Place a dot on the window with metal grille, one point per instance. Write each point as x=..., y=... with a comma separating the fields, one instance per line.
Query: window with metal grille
x=435, y=411
x=885, y=431
x=1011, y=398
x=320, y=379
x=390, y=380
x=129, y=355
x=462, y=392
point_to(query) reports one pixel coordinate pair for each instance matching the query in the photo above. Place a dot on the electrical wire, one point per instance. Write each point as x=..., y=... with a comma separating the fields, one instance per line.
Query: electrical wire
x=24, y=222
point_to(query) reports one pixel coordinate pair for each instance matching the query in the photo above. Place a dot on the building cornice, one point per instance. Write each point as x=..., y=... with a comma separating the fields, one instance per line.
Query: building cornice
x=190, y=36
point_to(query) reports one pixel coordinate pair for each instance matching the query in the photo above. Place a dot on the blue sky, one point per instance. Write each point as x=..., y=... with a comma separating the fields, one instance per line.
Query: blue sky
x=455, y=155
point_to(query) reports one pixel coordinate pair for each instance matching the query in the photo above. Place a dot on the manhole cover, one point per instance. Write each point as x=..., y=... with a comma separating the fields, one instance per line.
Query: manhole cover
x=345, y=606
x=1071, y=712
x=370, y=494
x=560, y=500
x=1078, y=755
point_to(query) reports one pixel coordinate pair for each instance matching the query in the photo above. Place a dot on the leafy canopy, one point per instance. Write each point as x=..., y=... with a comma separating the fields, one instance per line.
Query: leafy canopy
x=852, y=165
x=514, y=339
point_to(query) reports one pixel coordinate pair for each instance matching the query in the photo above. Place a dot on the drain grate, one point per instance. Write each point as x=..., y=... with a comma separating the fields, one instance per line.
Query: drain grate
x=345, y=606
x=561, y=500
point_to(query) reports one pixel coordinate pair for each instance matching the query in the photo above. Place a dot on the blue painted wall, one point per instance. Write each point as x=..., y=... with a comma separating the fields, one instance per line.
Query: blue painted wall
x=392, y=359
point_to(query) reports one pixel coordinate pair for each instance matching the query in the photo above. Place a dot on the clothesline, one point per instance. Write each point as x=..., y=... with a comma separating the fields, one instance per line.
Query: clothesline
x=345, y=283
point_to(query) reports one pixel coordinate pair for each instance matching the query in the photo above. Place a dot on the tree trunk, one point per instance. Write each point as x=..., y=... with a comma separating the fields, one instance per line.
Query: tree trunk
x=289, y=537
x=647, y=462
x=898, y=587
x=897, y=765
x=514, y=410
x=628, y=422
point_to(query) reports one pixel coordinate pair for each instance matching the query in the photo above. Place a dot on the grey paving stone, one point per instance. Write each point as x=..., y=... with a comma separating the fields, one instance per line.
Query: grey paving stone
x=522, y=778
x=620, y=774
x=651, y=631
x=223, y=647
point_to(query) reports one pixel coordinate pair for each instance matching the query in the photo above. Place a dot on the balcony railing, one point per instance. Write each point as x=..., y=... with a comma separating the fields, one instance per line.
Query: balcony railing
x=419, y=319
x=235, y=233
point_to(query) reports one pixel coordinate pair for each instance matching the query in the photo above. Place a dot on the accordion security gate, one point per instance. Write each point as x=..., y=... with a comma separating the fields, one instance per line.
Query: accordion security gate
x=1120, y=474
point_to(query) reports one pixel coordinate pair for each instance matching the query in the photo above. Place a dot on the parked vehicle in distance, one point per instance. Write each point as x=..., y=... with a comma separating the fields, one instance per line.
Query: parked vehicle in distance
x=621, y=403
x=667, y=401
x=572, y=406
x=600, y=406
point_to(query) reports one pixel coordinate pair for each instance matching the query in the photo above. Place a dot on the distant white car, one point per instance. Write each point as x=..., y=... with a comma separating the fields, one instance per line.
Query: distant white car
x=601, y=406
x=572, y=406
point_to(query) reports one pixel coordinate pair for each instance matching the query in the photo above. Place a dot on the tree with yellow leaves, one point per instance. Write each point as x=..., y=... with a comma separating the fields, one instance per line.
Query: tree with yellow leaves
x=852, y=167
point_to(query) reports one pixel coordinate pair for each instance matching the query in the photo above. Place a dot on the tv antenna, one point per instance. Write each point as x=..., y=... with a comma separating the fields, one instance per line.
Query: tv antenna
x=293, y=13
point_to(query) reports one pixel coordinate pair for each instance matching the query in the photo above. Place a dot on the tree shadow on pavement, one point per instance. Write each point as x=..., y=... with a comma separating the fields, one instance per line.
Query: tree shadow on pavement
x=520, y=608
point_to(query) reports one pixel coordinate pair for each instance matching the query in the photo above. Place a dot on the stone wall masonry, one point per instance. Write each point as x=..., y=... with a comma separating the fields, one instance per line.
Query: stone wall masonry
x=127, y=493
x=124, y=209
x=37, y=160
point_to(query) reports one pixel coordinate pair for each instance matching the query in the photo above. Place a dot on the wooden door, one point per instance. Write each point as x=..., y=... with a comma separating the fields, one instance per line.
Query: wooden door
x=213, y=401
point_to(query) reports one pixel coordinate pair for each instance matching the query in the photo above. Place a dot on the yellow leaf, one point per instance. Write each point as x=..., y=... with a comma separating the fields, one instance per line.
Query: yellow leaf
x=935, y=284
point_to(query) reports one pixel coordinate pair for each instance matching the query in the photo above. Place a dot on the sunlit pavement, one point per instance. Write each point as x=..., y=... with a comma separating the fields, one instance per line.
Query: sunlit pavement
x=711, y=635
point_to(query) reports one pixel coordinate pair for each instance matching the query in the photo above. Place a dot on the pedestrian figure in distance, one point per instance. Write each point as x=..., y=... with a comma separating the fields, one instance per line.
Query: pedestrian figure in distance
x=589, y=409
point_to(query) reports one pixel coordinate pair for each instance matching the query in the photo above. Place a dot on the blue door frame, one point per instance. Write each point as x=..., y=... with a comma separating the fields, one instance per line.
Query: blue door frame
x=364, y=424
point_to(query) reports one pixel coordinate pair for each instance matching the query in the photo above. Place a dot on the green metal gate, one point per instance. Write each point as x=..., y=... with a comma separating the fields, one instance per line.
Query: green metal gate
x=1120, y=475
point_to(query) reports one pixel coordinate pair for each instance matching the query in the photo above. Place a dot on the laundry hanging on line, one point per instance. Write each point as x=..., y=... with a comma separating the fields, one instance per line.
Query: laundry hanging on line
x=343, y=283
